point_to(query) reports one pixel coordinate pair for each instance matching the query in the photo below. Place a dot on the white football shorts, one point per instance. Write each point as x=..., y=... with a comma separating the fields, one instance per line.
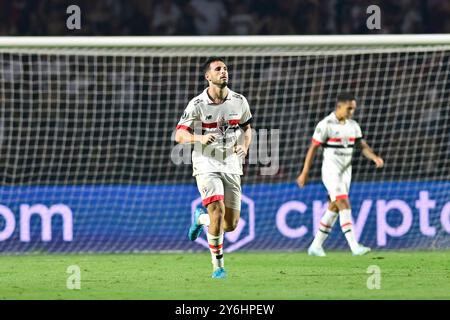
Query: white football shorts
x=215, y=186
x=337, y=184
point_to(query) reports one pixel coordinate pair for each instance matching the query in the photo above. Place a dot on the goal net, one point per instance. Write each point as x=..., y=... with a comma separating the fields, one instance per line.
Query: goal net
x=89, y=163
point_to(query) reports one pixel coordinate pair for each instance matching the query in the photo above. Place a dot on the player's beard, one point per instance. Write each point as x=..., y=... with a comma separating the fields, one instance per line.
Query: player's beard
x=221, y=84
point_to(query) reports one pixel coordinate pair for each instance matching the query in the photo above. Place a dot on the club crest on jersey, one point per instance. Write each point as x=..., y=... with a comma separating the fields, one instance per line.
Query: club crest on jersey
x=222, y=125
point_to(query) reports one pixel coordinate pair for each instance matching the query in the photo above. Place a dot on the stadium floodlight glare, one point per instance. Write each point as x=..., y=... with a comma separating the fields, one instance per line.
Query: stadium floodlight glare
x=88, y=123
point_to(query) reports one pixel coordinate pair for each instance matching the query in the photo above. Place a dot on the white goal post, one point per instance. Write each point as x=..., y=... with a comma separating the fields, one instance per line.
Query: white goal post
x=189, y=41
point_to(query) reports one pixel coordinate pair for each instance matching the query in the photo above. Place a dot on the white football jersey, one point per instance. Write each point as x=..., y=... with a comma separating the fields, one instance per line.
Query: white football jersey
x=203, y=116
x=338, y=140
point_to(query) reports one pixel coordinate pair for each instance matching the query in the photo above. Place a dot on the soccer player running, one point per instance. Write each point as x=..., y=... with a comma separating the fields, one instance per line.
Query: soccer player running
x=219, y=149
x=337, y=134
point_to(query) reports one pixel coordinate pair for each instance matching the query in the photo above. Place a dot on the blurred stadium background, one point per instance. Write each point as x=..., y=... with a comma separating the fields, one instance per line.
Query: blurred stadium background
x=233, y=17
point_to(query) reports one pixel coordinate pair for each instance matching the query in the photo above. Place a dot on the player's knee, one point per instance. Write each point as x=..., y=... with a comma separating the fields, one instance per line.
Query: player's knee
x=215, y=211
x=342, y=204
x=333, y=207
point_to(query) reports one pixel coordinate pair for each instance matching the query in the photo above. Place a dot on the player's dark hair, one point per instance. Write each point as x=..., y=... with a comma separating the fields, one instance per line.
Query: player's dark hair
x=208, y=62
x=345, y=96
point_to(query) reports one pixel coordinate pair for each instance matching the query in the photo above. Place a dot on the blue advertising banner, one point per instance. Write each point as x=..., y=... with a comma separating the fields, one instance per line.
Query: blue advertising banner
x=274, y=217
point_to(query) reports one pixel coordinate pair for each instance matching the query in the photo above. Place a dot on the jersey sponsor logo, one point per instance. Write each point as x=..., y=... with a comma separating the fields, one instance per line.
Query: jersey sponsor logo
x=238, y=96
x=184, y=116
x=344, y=154
x=209, y=117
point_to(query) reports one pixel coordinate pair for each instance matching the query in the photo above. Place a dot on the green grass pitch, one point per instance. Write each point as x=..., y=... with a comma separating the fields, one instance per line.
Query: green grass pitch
x=252, y=275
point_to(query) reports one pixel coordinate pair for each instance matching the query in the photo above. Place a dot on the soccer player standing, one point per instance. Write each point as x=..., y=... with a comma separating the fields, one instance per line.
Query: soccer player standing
x=220, y=147
x=337, y=134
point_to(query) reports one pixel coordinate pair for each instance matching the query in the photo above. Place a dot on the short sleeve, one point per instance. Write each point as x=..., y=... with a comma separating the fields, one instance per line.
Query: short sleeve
x=320, y=133
x=246, y=114
x=187, y=119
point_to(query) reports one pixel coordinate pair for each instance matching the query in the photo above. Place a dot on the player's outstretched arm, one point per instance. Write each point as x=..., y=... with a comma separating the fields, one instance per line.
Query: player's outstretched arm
x=370, y=154
x=302, y=179
x=184, y=136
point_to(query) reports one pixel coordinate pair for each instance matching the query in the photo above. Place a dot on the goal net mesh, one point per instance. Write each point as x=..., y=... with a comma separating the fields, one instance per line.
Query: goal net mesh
x=93, y=130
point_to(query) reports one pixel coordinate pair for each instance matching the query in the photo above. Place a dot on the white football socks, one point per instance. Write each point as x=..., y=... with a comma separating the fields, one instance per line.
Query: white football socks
x=203, y=219
x=326, y=224
x=216, y=248
x=347, y=228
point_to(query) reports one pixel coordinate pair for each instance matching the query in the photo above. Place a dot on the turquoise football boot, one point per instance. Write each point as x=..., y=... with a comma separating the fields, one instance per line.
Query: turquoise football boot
x=196, y=228
x=219, y=273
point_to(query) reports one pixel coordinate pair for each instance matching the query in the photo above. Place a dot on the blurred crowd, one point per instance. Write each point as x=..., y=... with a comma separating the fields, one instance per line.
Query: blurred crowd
x=225, y=17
